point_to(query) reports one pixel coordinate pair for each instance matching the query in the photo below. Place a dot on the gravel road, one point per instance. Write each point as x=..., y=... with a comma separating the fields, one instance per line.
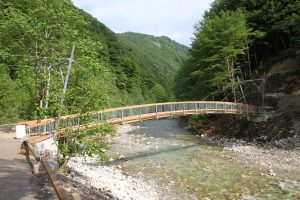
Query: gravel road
x=16, y=179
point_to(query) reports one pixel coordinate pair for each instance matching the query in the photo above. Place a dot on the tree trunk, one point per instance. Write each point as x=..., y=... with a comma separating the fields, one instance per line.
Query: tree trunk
x=248, y=58
x=230, y=68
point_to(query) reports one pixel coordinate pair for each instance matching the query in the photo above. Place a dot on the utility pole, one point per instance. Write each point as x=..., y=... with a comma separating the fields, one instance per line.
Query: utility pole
x=67, y=76
x=65, y=83
x=48, y=89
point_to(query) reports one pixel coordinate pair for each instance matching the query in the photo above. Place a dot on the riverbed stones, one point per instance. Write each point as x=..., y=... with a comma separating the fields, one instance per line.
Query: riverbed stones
x=271, y=172
x=129, y=143
x=91, y=172
x=281, y=185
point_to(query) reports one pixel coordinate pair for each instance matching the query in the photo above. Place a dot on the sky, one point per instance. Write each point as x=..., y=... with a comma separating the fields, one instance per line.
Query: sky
x=172, y=18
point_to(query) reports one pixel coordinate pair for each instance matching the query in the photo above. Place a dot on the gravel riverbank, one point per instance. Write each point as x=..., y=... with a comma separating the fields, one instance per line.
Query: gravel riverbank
x=252, y=154
x=286, y=161
x=110, y=180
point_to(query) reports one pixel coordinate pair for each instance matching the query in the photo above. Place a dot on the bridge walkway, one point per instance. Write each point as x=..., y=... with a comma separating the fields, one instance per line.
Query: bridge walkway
x=130, y=114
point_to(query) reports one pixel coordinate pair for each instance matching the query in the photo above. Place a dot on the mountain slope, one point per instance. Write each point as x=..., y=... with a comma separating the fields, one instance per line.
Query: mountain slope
x=38, y=34
x=160, y=57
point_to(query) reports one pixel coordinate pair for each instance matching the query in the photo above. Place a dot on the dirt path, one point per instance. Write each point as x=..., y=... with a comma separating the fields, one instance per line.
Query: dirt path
x=16, y=180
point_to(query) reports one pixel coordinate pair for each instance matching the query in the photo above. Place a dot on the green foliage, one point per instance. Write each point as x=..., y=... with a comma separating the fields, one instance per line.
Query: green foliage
x=279, y=19
x=89, y=141
x=220, y=41
x=292, y=22
x=159, y=59
x=233, y=39
x=8, y=90
x=200, y=123
x=38, y=34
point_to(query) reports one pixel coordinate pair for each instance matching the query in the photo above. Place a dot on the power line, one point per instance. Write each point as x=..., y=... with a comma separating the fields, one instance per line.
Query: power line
x=24, y=66
x=36, y=57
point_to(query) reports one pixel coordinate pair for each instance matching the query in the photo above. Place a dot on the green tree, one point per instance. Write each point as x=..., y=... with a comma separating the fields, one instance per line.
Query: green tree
x=8, y=97
x=220, y=42
x=279, y=19
x=37, y=34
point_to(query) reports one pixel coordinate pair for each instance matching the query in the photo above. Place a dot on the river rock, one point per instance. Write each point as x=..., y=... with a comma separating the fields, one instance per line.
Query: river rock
x=271, y=173
x=110, y=180
x=281, y=185
x=292, y=131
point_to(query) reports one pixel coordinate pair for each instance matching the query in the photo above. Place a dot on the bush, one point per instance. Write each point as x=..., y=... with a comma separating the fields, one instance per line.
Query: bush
x=88, y=141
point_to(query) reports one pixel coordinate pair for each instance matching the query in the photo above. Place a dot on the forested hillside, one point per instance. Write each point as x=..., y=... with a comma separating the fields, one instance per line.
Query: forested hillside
x=159, y=57
x=35, y=35
x=236, y=39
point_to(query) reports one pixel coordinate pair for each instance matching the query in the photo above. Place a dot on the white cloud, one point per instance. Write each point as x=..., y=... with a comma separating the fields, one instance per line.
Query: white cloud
x=173, y=18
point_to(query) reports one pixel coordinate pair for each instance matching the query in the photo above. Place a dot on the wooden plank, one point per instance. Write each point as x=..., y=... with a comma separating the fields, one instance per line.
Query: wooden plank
x=28, y=151
x=61, y=193
x=32, y=150
x=38, y=139
x=34, y=123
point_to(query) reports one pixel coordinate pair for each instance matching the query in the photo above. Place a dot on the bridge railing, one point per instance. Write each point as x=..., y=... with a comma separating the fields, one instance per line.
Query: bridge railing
x=143, y=112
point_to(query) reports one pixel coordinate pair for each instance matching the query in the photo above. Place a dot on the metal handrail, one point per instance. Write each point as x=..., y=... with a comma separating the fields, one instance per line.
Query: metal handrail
x=147, y=111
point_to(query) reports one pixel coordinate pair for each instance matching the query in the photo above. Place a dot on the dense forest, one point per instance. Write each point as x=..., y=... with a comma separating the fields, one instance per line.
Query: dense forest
x=236, y=39
x=36, y=39
x=159, y=57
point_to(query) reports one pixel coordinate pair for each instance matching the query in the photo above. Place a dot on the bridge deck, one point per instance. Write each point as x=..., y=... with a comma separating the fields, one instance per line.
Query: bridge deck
x=129, y=114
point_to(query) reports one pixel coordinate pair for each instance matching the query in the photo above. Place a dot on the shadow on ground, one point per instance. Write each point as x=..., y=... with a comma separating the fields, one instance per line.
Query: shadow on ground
x=7, y=128
x=151, y=153
x=26, y=188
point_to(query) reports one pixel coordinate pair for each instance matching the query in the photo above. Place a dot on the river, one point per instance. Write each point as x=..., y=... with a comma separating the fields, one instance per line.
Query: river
x=182, y=166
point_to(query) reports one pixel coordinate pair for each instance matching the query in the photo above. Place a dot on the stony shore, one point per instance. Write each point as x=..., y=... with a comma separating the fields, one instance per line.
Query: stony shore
x=109, y=182
x=110, y=179
x=262, y=156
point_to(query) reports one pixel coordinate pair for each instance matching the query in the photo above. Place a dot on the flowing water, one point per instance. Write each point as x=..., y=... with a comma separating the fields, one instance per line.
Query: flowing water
x=183, y=167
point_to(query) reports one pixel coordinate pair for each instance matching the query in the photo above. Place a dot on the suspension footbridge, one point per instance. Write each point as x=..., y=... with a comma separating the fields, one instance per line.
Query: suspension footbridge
x=130, y=114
